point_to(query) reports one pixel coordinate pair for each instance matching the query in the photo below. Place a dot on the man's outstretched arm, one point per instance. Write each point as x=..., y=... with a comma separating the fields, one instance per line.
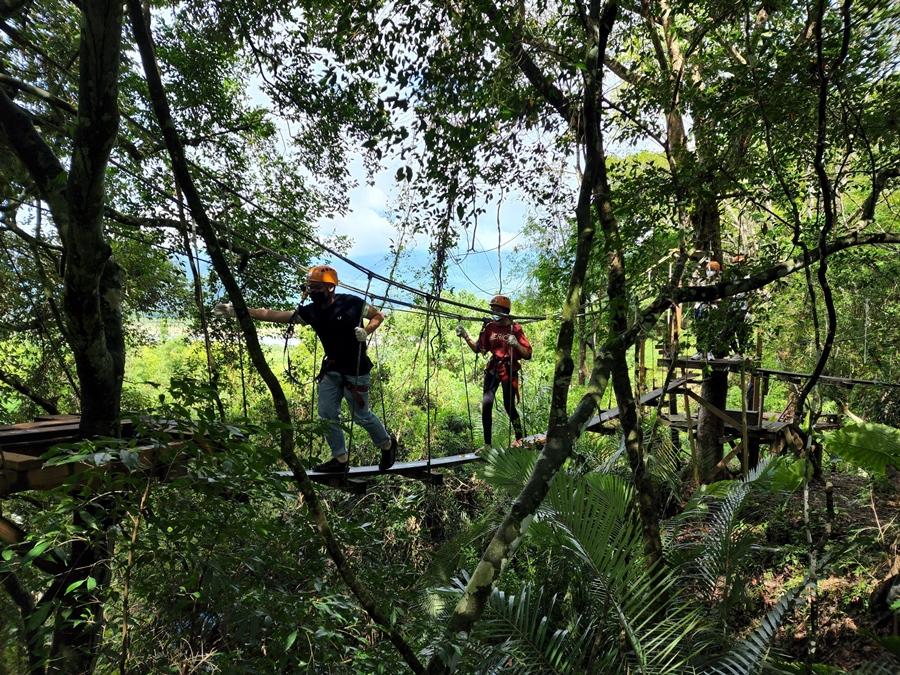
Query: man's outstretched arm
x=260, y=313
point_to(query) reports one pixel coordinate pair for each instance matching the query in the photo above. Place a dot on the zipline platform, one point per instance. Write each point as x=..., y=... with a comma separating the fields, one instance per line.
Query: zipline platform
x=738, y=363
x=766, y=432
x=847, y=382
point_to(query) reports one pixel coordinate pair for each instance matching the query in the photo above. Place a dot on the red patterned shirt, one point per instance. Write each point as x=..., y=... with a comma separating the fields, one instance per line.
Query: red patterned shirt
x=492, y=341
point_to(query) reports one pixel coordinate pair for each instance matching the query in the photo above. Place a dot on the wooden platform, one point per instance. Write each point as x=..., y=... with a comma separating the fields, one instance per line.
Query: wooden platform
x=766, y=432
x=22, y=445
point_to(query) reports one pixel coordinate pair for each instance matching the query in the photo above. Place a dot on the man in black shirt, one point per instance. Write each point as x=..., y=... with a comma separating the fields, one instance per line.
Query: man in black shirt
x=337, y=320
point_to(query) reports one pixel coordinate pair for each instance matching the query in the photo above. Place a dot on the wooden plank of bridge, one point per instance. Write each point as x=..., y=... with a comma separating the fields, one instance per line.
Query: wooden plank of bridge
x=419, y=469
x=607, y=415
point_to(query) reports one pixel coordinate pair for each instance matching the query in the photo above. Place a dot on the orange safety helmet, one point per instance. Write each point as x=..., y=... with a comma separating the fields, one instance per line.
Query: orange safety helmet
x=322, y=273
x=714, y=266
x=501, y=301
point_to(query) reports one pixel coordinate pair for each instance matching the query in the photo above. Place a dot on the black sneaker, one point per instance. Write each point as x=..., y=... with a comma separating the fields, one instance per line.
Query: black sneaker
x=333, y=466
x=388, y=455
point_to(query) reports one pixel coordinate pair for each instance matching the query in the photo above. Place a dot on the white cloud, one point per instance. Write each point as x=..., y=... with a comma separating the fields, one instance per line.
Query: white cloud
x=369, y=230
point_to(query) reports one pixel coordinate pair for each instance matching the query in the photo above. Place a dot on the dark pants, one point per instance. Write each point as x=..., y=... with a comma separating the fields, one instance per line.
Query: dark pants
x=491, y=382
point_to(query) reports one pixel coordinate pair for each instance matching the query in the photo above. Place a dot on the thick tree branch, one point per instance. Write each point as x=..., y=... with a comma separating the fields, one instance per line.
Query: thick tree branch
x=182, y=172
x=23, y=600
x=157, y=222
x=624, y=73
x=39, y=160
x=879, y=182
x=767, y=276
x=511, y=40
x=38, y=93
x=13, y=382
x=27, y=238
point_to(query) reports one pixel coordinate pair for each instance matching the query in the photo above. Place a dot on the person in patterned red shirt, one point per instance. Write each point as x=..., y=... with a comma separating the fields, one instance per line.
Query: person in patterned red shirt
x=505, y=341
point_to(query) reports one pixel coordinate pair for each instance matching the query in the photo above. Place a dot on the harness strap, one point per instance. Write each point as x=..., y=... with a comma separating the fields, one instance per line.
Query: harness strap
x=356, y=390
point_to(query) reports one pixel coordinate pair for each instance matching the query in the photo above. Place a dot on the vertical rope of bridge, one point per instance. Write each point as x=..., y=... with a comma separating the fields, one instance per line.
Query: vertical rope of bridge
x=428, y=385
x=312, y=396
x=512, y=396
x=524, y=415
x=462, y=349
x=359, y=352
x=240, y=344
x=381, y=383
x=437, y=371
x=212, y=378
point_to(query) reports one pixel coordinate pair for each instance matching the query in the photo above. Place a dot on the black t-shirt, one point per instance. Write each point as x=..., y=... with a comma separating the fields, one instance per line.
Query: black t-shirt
x=335, y=326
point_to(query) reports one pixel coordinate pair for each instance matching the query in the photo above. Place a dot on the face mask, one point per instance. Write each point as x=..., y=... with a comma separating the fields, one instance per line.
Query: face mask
x=710, y=274
x=318, y=297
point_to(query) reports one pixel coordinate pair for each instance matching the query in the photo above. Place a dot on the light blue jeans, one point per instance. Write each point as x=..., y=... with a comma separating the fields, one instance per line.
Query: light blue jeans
x=331, y=391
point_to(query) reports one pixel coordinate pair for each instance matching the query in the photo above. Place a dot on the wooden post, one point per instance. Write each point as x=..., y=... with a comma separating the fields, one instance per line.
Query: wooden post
x=756, y=403
x=695, y=460
x=745, y=440
x=642, y=365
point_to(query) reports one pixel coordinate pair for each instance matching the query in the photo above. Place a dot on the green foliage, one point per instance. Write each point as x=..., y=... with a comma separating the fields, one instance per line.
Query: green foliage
x=871, y=447
x=611, y=612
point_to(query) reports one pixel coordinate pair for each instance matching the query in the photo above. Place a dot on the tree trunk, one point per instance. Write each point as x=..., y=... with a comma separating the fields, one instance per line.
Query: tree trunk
x=593, y=203
x=710, y=428
x=79, y=617
x=583, y=372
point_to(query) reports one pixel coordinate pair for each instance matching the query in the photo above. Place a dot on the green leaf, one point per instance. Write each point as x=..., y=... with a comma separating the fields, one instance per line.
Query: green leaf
x=75, y=584
x=38, y=549
x=7, y=554
x=91, y=583
x=291, y=639
x=891, y=643
x=869, y=446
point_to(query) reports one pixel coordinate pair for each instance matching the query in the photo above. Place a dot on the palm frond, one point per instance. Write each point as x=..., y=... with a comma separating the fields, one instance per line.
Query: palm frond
x=748, y=655
x=664, y=459
x=886, y=666
x=524, y=640
x=507, y=469
x=717, y=558
x=595, y=520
